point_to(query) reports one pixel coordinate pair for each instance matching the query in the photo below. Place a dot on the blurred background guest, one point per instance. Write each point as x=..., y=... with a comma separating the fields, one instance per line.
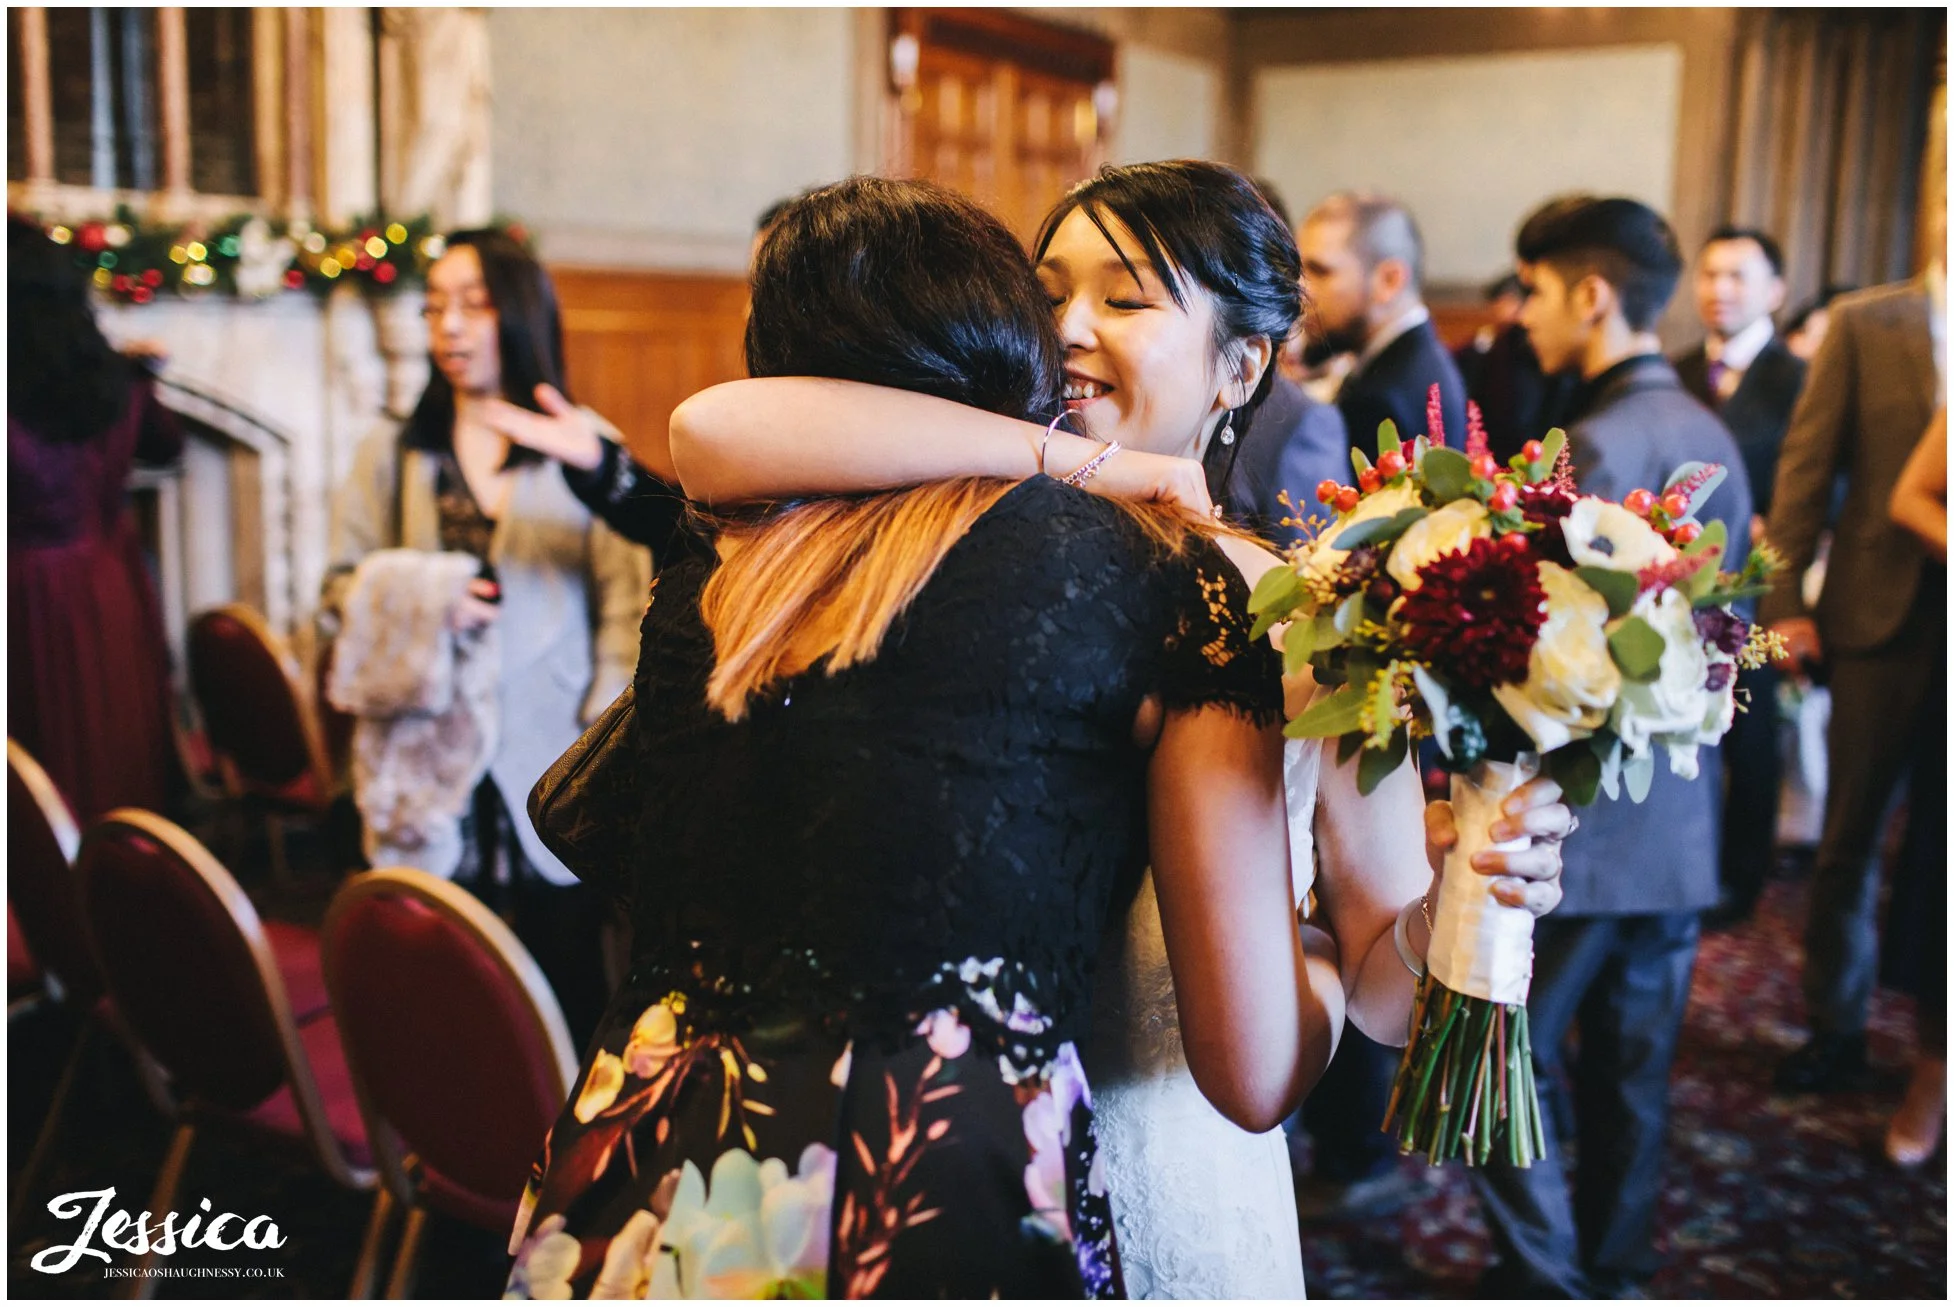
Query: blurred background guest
x=1747, y=376
x=1620, y=950
x=1877, y=631
x=1517, y=401
x=87, y=668
x=566, y=592
x=1914, y=954
x=1804, y=331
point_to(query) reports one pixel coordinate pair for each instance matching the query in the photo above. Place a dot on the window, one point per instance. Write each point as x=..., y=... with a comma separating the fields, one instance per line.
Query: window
x=116, y=104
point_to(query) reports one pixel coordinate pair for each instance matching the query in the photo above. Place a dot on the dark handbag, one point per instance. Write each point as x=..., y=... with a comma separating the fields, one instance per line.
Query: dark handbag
x=585, y=806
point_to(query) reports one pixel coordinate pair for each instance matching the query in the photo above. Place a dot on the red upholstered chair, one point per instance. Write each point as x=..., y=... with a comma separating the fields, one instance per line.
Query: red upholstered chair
x=459, y=1053
x=45, y=927
x=258, y=719
x=234, y=1010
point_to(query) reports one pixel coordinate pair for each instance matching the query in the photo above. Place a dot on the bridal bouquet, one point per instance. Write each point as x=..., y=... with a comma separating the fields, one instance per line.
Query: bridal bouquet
x=1526, y=629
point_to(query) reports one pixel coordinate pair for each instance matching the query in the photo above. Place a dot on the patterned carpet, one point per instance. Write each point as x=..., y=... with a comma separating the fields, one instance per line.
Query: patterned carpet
x=1768, y=1197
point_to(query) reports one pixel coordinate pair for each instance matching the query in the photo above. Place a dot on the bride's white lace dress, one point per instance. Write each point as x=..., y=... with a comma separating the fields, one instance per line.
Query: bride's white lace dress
x=1203, y=1209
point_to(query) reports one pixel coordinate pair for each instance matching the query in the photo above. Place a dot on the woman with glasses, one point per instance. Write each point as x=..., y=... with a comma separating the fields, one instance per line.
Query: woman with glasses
x=564, y=591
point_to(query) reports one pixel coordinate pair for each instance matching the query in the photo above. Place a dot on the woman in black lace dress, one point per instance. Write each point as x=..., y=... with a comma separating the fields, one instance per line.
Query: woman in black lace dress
x=895, y=752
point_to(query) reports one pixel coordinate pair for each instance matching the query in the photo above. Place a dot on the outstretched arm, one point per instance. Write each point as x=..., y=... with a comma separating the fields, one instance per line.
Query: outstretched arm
x=775, y=437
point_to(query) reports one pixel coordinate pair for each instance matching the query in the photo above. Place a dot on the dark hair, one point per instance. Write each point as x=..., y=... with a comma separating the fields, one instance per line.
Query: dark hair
x=529, y=340
x=1820, y=301
x=1624, y=242
x=64, y=379
x=771, y=214
x=1209, y=224
x=905, y=284
x=1507, y=283
x=1773, y=255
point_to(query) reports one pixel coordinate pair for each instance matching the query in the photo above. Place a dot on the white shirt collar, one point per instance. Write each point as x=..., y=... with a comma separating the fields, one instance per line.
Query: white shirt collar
x=1742, y=349
x=1415, y=316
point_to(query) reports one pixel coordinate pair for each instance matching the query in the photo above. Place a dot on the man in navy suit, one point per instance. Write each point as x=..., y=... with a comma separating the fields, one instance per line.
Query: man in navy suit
x=1619, y=951
x=1363, y=269
x=1745, y=374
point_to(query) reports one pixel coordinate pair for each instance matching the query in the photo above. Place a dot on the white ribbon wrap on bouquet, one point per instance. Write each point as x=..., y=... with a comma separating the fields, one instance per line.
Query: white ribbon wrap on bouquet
x=1480, y=947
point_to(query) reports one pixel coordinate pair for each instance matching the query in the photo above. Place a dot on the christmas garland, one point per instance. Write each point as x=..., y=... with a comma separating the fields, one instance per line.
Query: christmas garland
x=132, y=262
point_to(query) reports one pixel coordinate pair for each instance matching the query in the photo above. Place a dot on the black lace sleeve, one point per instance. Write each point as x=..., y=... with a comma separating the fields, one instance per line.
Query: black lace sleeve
x=1210, y=658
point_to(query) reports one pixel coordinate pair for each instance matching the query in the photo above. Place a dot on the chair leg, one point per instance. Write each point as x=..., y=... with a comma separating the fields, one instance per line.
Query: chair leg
x=376, y=1231
x=51, y=1127
x=402, y=1279
x=163, y=1200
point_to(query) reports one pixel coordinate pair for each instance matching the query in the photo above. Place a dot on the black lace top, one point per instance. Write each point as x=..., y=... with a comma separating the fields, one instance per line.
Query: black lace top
x=950, y=824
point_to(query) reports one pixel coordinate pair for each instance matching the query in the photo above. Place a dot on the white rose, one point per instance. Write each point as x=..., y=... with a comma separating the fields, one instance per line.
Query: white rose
x=1571, y=679
x=1677, y=707
x=1447, y=530
x=1601, y=534
x=1322, y=561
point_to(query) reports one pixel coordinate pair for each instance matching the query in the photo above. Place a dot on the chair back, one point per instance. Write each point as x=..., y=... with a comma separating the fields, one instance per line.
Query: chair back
x=458, y=1050
x=193, y=974
x=42, y=840
x=256, y=714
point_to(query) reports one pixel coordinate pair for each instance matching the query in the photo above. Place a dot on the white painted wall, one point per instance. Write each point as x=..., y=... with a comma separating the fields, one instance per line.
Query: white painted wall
x=1471, y=145
x=654, y=137
x=1170, y=106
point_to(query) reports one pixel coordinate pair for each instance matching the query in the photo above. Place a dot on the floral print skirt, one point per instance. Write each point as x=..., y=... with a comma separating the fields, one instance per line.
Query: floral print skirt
x=785, y=1162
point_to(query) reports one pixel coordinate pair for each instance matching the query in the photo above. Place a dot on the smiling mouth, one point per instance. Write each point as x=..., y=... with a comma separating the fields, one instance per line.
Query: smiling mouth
x=1081, y=391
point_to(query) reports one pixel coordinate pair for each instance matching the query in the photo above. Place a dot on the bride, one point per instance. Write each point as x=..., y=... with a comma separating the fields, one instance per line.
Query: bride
x=1173, y=283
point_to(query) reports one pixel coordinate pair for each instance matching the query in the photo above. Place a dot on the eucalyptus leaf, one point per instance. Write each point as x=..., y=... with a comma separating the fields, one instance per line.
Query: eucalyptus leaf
x=1714, y=536
x=1701, y=495
x=1379, y=530
x=1447, y=474
x=1551, y=445
x=1388, y=437
x=1278, y=585
x=1348, y=745
x=1335, y=714
x=1618, y=588
x=1348, y=614
x=1638, y=774
x=1433, y=693
x=1359, y=461
x=1637, y=649
x=1373, y=765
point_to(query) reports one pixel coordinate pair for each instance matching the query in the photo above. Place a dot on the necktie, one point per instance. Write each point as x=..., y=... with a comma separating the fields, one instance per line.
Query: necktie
x=1714, y=377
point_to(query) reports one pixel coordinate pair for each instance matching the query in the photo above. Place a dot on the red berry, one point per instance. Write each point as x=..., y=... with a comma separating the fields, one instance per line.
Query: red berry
x=1533, y=451
x=1389, y=464
x=1504, y=497
x=1638, y=502
x=1674, y=504
x=152, y=277
x=294, y=278
x=1369, y=479
x=1485, y=466
x=385, y=273
x=142, y=294
x=1326, y=491
x=1687, y=533
x=120, y=282
x=1346, y=499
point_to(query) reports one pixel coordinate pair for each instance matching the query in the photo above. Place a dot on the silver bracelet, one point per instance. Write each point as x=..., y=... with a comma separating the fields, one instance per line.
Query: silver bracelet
x=1090, y=468
x=1047, y=440
x=1401, y=935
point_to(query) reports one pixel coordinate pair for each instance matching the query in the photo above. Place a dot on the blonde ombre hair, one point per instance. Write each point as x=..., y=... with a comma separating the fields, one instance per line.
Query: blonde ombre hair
x=823, y=582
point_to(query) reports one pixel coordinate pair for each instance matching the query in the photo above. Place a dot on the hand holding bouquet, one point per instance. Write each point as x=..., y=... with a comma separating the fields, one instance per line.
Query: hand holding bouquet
x=1527, y=629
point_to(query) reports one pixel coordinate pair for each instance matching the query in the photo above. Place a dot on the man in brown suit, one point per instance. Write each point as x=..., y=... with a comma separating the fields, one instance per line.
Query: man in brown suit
x=1878, y=632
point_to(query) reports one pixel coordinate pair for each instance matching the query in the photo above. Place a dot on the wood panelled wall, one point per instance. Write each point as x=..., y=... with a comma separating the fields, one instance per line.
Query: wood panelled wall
x=635, y=344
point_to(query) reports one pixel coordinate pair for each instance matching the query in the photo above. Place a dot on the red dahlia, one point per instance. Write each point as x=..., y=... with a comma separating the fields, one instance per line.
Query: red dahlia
x=1475, y=615
x=1545, y=505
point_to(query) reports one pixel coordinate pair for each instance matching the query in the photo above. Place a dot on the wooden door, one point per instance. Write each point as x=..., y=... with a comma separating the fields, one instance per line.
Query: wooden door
x=999, y=107
x=635, y=344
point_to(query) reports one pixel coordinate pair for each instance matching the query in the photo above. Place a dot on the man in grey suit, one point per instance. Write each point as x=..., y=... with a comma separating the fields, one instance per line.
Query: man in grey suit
x=1877, y=631
x=1619, y=950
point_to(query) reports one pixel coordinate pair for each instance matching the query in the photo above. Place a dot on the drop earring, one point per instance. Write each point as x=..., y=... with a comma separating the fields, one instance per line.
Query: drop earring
x=1227, y=436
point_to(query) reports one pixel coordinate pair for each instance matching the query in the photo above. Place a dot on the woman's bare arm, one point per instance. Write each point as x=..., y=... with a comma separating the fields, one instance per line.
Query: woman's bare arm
x=1259, y=1008
x=1919, y=500
x=774, y=437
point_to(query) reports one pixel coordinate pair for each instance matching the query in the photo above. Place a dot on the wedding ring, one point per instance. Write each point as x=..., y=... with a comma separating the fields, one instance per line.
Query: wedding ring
x=1216, y=510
